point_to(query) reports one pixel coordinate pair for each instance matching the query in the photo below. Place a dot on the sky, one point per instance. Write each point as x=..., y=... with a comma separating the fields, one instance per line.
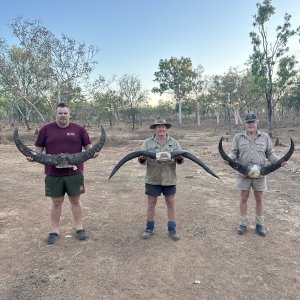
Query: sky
x=133, y=35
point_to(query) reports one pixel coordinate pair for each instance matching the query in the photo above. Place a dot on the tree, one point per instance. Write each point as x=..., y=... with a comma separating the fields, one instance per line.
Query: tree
x=215, y=94
x=71, y=63
x=174, y=77
x=106, y=106
x=165, y=109
x=266, y=55
x=194, y=96
x=291, y=97
x=132, y=94
x=43, y=68
x=18, y=81
x=287, y=77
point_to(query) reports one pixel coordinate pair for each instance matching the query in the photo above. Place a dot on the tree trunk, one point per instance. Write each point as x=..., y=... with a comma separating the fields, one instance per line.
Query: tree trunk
x=179, y=111
x=269, y=114
x=198, y=116
x=236, y=116
x=133, y=120
x=217, y=113
x=269, y=101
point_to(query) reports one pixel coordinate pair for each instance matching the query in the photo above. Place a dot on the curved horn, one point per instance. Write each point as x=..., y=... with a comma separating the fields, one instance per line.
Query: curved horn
x=83, y=156
x=193, y=158
x=56, y=159
x=45, y=159
x=129, y=157
x=265, y=170
x=233, y=164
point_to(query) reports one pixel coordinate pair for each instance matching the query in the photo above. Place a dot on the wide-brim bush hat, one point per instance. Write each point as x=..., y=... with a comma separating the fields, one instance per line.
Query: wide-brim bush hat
x=160, y=121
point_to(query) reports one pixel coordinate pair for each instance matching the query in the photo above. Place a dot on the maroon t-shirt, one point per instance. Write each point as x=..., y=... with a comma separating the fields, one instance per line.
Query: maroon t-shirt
x=57, y=140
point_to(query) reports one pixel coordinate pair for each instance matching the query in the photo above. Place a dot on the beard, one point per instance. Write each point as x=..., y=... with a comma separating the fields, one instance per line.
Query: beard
x=63, y=122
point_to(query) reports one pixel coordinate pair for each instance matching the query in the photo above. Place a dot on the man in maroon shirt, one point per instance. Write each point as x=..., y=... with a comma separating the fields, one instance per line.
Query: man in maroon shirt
x=59, y=137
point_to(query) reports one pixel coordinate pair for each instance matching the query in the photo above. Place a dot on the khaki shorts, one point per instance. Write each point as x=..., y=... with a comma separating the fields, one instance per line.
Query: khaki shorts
x=245, y=183
x=57, y=186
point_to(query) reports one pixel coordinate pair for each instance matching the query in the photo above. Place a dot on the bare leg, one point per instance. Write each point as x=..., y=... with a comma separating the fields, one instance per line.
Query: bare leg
x=243, y=211
x=258, y=195
x=243, y=202
x=77, y=211
x=56, y=213
x=172, y=219
x=171, y=207
x=152, y=201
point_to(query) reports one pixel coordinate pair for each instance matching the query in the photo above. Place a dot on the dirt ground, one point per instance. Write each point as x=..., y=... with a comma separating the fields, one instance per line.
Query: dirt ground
x=209, y=262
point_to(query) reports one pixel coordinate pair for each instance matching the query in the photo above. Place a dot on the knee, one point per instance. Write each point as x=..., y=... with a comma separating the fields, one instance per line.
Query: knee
x=57, y=204
x=75, y=203
x=258, y=200
x=170, y=203
x=151, y=206
x=244, y=199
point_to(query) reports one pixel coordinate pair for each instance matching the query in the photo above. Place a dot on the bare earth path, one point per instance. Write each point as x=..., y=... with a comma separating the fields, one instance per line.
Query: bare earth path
x=210, y=261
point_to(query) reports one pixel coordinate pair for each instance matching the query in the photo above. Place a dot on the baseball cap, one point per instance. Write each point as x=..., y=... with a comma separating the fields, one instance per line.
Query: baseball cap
x=250, y=118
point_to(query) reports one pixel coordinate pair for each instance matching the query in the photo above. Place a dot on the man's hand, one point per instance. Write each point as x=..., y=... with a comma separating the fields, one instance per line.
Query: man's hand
x=226, y=162
x=142, y=160
x=285, y=164
x=30, y=159
x=96, y=154
x=179, y=159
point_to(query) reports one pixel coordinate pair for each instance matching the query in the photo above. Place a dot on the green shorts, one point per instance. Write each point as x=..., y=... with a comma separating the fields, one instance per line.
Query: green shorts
x=245, y=183
x=57, y=186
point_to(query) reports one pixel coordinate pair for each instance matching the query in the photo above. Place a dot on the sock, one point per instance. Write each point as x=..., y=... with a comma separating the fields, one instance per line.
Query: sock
x=150, y=225
x=243, y=221
x=259, y=220
x=172, y=225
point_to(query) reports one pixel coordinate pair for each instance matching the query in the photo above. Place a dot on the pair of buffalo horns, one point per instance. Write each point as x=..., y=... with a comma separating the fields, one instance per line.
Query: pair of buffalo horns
x=262, y=170
x=63, y=159
x=153, y=155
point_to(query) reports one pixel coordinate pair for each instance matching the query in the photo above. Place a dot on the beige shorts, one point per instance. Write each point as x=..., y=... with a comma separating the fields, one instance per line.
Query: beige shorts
x=245, y=183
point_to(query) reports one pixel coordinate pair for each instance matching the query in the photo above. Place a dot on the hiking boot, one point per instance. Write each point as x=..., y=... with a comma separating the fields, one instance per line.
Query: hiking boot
x=147, y=234
x=241, y=229
x=52, y=237
x=80, y=234
x=261, y=230
x=174, y=235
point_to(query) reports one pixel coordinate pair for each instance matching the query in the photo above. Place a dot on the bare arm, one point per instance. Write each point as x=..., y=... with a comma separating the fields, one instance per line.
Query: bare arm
x=89, y=146
x=37, y=150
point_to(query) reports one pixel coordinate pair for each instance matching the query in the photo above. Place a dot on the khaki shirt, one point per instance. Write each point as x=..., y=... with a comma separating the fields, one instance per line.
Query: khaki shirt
x=163, y=173
x=248, y=152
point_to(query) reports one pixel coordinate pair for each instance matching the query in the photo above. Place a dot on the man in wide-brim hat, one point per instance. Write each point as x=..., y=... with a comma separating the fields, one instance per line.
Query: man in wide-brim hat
x=160, y=177
x=160, y=121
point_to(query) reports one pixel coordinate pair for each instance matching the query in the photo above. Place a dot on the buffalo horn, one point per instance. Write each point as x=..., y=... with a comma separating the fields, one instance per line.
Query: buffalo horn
x=233, y=164
x=193, y=158
x=265, y=170
x=56, y=159
x=131, y=156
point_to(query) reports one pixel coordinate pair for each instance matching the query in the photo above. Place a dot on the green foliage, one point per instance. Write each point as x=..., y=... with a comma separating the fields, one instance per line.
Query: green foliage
x=267, y=55
x=174, y=77
x=291, y=98
x=43, y=69
x=164, y=109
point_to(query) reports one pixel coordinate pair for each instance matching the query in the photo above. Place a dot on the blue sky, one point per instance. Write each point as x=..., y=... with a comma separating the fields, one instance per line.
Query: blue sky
x=133, y=35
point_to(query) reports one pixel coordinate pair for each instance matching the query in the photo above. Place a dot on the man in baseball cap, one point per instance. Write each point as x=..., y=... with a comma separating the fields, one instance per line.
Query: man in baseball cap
x=250, y=118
